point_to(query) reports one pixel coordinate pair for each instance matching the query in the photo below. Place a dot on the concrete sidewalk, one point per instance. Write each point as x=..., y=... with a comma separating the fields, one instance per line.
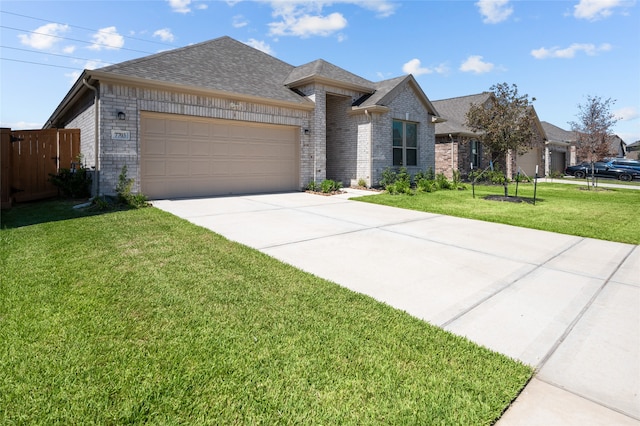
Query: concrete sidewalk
x=569, y=306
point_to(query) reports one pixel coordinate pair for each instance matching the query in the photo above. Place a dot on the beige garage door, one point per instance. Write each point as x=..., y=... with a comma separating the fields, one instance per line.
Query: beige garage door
x=527, y=162
x=184, y=156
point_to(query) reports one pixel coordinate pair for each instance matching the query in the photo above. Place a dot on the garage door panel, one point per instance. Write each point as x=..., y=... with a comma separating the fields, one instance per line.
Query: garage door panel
x=177, y=128
x=154, y=167
x=200, y=147
x=217, y=157
x=154, y=126
x=154, y=146
x=199, y=129
x=177, y=168
x=177, y=148
x=199, y=167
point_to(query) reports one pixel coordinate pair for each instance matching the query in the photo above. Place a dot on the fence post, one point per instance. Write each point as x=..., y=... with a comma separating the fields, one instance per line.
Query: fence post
x=5, y=168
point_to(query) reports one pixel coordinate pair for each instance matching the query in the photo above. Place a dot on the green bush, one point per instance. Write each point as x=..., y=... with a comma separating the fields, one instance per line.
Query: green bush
x=362, y=183
x=124, y=194
x=442, y=182
x=389, y=177
x=327, y=186
x=426, y=185
x=313, y=186
x=427, y=174
x=74, y=183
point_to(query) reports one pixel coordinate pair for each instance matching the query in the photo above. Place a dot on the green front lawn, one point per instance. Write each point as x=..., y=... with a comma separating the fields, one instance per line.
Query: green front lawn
x=140, y=317
x=606, y=214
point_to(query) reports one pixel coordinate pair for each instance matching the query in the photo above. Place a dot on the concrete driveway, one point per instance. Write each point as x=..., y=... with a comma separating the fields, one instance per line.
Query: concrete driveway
x=569, y=306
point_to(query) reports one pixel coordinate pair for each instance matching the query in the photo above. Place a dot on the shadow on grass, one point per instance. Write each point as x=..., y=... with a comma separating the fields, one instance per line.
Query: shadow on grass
x=43, y=211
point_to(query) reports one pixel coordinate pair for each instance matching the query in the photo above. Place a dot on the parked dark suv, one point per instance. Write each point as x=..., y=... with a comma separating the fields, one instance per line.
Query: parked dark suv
x=605, y=169
x=623, y=163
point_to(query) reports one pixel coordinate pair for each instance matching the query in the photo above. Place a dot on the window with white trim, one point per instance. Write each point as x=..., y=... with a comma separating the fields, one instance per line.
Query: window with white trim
x=475, y=154
x=405, y=143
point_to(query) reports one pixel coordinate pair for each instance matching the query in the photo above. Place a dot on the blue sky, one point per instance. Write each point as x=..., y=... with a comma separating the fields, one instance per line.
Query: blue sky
x=559, y=52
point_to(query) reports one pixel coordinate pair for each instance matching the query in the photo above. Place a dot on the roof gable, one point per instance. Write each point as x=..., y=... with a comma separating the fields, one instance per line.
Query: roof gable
x=387, y=90
x=326, y=72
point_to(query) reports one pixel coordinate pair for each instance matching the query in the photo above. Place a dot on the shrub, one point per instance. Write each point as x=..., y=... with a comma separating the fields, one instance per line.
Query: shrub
x=442, y=182
x=329, y=185
x=75, y=183
x=124, y=194
x=389, y=177
x=313, y=186
x=426, y=185
x=362, y=183
x=403, y=176
x=428, y=174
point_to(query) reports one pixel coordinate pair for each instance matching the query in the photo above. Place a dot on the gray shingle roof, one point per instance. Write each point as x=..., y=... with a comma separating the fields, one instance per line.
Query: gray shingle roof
x=221, y=64
x=556, y=134
x=454, y=110
x=324, y=69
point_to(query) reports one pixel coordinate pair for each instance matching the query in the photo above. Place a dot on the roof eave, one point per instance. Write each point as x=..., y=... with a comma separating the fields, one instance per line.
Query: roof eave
x=304, y=103
x=372, y=109
x=76, y=90
x=330, y=82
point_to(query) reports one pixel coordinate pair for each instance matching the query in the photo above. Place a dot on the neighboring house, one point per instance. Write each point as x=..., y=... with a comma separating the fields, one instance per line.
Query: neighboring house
x=458, y=147
x=618, y=146
x=633, y=150
x=560, y=150
x=221, y=117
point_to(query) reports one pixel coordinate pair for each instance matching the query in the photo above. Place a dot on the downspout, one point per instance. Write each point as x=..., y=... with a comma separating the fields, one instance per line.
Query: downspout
x=96, y=131
x=370, y=117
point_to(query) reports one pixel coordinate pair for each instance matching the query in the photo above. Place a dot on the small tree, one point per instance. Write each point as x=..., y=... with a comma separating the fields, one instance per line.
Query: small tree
x=593, y=128
x=503, y=124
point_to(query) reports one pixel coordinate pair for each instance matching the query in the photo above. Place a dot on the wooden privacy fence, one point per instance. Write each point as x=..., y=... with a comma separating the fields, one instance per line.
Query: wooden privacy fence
x=29, y=156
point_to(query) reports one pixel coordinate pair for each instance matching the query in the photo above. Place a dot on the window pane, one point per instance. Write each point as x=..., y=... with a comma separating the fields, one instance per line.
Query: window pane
x=412, y=135
x=412, y=157
x=397, y=133
x=397, y=156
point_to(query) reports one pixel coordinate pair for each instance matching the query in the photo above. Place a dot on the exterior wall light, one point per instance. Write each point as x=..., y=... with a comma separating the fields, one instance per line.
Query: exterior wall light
x=121, y=115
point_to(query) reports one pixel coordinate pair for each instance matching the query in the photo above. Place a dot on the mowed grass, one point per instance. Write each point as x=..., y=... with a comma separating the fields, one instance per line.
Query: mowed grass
x=138, y=317
x=602, y=213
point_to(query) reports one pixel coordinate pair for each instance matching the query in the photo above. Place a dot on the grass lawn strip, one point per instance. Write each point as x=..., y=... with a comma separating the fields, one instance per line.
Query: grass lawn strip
x=138, y=316
x=606, y=214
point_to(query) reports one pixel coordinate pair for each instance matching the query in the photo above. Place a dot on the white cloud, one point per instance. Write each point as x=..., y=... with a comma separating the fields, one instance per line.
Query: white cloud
x=180, y=6
x=107, y=38
x=627, y=113
x=69, y=49
x=593, y=10
x=476, y=65
x=239, y=21
x=494, y=11
x=304, y=18
x=307, y=25
x=184, y=6
x=260, y=45
x=415, y=67
x=571, y=51
x=44, y=37
x=164, y=34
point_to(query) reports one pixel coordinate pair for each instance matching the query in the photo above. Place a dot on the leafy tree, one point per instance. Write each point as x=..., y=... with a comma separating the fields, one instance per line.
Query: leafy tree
x=593, y=128
x=504, y=123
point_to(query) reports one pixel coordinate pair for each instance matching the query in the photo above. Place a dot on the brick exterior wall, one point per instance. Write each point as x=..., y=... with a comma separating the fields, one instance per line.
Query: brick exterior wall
x=334, y=143
x=342, y=146
x=406, y=103
x=114, y=154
